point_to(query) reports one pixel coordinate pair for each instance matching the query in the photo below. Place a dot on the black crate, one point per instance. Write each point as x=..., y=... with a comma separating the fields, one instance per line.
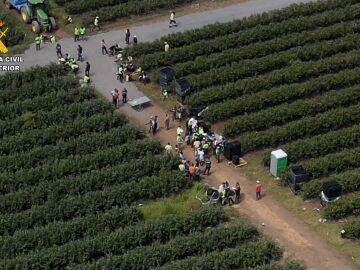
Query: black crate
x=232, y=149
x=332, y=189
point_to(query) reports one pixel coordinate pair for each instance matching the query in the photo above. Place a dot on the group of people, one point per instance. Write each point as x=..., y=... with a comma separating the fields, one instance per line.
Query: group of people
x=116, y=97
x=40, y=39
x=153, y=125
x=224, y=191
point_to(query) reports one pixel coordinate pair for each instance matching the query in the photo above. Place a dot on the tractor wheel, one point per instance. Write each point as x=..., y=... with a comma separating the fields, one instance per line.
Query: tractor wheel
x=7, y=4
x=53, y=23
x=25, y=15
x=35, y=27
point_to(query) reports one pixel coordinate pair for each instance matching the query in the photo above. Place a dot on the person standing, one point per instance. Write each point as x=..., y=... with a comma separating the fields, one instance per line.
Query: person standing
x=87, y=69
x=76, y=33
x=179, y=131
x=179, y=140
x=167, y=122
x=155, y=124
x=237, y=190
x=124, y=95
x=103, y=47
x=218, y=152
x=258, y=188
x=172, y=19
x=79, y=51
x=115, y=97
x=127, y=36
x=58, y=51
x=135, y=40
x=38, y=42
x=169, y=150
x=82, y=31
x=167, y=46
x=207, y=166
x=96, y=23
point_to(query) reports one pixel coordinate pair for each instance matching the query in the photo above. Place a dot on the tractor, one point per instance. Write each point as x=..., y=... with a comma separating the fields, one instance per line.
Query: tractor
x=35, y=12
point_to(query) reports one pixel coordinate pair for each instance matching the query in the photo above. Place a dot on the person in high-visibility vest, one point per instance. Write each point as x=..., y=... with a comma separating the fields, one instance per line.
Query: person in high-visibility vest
x=96, y=23
x=82, y=32
x=38, y=42
x=76, y=34
x=167, y=46
x=172, y=19
x=164, y=94
x=86, y=79
x=52, y=39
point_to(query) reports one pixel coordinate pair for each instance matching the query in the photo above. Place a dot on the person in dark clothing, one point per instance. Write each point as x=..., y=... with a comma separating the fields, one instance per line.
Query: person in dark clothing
x=237, y=190
x=155, y=124
x=207, y=166
x=87, y=69
x=79, y=50
x=124, y=95
x=58, y=51
x=103, y=47
x=135, y=40
x=127, y=36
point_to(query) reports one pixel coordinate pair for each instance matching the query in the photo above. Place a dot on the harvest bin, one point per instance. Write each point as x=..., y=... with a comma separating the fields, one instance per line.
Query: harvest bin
x=278, y=162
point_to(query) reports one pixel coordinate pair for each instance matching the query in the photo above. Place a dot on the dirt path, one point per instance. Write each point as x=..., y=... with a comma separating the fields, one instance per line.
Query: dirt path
x=298, y=239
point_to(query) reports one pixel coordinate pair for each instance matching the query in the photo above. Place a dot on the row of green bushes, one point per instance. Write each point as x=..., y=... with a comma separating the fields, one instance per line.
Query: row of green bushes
x=260, y=252
x=349, y=180
x=120, y=241
x=306, y=127
x=210, y=32
x=259, y=101
x=296, y=72
x=320, y=145
x=59, y=233
x=36, y=88
x=84, y=144
x=81, y=6
x=260, y=33
x=346, y=206
x=29, y=139
x=131, y=8
x=198, y=244
x=45, y=102
x=123, y=194
x=15, y=80
x=54, y=190
x=288, y=265
x=254, y=67
x=260, y=49
x=59, y=114
x=352, y=229
x=50, y=170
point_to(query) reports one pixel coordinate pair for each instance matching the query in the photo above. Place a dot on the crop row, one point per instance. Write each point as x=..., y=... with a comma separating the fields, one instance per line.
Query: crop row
x=58, y=115
x=321, y=145
x=59, y=233
x=286, y=112
x=277, y=95
x=84, y=144
x=120, y=241
x=306, y=127
x=38, y=137
x=18, y=79
x=254, y=67
x=55, y=190
x=37, y=88
x=124, y=194
x=346, y=206
x=332, y=163
x=11, y=182
x=260, y=49
x=255, y=253
x=197, y=244
x=210, y=32
x=297, y=71
x=45, y=102
x=131, y=8
x=81, y=6
x=349, y=180
x=261, y=33
x=352, y=229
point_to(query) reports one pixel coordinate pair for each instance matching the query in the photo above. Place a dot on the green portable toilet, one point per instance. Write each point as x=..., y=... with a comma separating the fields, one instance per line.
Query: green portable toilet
x=278, y=162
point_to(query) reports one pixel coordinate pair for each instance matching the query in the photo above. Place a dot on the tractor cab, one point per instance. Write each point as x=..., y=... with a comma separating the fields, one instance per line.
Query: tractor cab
x=35, y=12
